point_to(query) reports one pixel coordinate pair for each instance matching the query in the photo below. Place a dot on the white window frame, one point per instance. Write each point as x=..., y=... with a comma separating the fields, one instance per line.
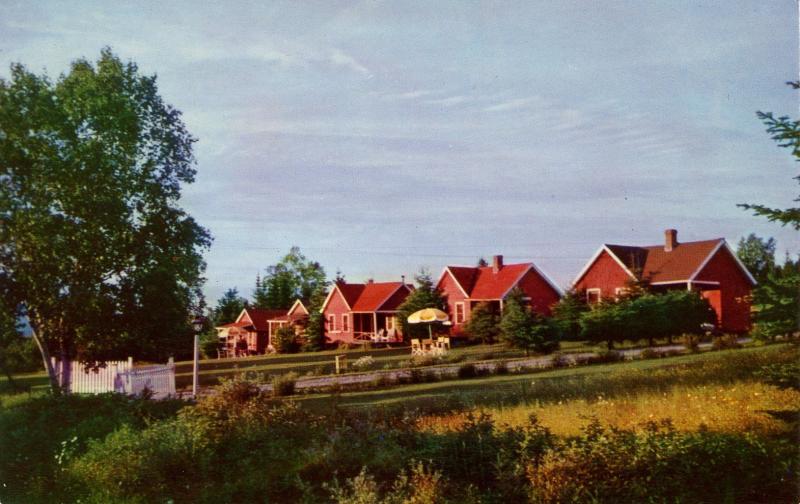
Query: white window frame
x=463, y=313
x=345, y=322
x=594, y=290
x=332, y=322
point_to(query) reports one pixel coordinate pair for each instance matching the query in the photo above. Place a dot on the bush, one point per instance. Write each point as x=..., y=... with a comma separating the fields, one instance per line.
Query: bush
x=725, y=342
x=364, y=362
x=501, y=368
x=660, y=464
x=783, y=376
x=606, y=357
x=467, y=370
x=284, y=340
x=284, y=385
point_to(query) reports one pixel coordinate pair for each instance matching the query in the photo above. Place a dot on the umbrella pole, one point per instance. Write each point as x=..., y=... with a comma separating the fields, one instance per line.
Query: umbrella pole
x=430, y=332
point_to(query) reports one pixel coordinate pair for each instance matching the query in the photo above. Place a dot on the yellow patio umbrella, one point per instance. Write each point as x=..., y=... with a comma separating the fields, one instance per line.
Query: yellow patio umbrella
x=428, y=316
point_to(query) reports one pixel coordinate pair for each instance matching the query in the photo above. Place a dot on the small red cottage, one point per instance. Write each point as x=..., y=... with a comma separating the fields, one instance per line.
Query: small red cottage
x=708, y=266
x=364, y=312
x=251, y=332
x=466, y=286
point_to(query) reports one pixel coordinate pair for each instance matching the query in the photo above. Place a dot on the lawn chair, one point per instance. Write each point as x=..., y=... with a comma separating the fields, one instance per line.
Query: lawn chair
x=443, y=343
x=416, y=347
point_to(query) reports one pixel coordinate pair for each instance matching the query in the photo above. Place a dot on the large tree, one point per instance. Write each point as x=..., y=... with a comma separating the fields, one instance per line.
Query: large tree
x=758, y=255
x=293, y=277
x=94, y=246
x=786, y=132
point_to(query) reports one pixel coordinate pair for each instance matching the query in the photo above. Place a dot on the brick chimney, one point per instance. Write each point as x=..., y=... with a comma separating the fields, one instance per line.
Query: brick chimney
x=670, y=239
x=497, y=263
x=403, y=279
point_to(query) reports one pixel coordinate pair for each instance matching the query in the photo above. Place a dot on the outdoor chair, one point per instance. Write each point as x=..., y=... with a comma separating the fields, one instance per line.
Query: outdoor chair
x=416, y=347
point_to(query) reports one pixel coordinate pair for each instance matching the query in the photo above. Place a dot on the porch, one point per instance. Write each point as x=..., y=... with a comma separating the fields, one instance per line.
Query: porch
x=376, y=327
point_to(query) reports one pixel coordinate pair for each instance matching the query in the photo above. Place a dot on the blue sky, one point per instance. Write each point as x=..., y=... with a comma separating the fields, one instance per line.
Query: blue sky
x=385, y=136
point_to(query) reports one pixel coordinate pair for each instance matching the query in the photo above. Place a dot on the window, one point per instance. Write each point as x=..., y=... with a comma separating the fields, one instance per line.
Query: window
x=460, y=313
x=593, y=296
x=331, y=322
x=345, y=323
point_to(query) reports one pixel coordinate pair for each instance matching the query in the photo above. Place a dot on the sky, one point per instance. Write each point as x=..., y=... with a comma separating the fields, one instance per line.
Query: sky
x=384, y=137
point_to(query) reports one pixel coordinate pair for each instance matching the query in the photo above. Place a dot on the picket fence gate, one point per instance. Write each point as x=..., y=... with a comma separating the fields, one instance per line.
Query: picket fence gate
x=117, y=376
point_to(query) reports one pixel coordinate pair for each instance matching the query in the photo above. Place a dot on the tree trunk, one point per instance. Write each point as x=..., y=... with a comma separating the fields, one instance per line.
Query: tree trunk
x=48, y=363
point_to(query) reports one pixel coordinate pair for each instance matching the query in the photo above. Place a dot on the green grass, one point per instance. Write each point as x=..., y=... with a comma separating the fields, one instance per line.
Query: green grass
x=566, y=383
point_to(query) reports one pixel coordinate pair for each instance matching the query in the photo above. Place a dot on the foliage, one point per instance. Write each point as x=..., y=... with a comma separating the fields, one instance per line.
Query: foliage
x=648, y=316
x=523, y=328
x=567, y=314
x=93, y=242
x=786, y=133
x=284, y=340
x=783, y=375
x=228, y=307
x=314, y=331
x=758, y=255
x=482, y=325
x=284, y=385
x=661, y=464
x=293, y=277
x=467, y=370
x=776, y=301
x=426, y=295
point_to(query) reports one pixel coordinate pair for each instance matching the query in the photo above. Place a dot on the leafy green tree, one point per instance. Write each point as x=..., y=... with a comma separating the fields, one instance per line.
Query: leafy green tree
x=315, y=327
x=567, y=314
x=786, y=132
x=291, y=278
x=93, y=243
x=776, y=301
x=758, y=255
x=482, y=325
x=603, y=323
x=523, y=328
x=426, y=295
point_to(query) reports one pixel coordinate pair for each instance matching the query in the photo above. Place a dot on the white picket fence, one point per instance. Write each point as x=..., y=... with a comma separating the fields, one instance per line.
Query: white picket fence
x=117, y=376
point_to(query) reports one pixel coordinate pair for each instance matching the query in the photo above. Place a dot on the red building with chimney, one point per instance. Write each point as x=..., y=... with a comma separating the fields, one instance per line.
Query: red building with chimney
x=356, y=312
x=466, y=286
x=710, y=267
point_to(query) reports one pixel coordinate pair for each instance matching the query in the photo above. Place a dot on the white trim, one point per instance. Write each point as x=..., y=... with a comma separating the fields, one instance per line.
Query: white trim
x=332, y=322
x=516, y=282
x=673, y=282
x=547, y=279
x=244, y=310
x=599, y=292
x=463, y=312
x=722, y=243
x=603, y=248
x=330, y=294
x=455, y=280
x=288, y=313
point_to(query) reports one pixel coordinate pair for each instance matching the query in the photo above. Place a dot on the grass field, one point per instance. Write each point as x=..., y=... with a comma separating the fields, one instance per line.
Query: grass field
x=583, y=382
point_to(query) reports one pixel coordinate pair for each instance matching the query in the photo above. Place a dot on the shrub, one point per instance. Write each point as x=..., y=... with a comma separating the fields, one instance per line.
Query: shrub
x=650, y=353
x=284, y=385
x=467, y=370
x=725, y=342
x=783, y=376
x=501, y=368
x=660, y=464
x=238, y=390
x=364, y=362
x=606, y=357
x=284, y=340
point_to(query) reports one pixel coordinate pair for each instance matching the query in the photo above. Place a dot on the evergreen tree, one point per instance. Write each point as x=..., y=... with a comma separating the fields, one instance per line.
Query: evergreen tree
x=483, y=324
x=567, y=314
x=776, y=301
x=426, y=295
x=315, y=328
x=523, y=328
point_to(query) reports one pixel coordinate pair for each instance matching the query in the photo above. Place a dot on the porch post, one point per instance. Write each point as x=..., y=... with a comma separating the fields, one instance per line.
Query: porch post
x=375, y=322
x=689, y=285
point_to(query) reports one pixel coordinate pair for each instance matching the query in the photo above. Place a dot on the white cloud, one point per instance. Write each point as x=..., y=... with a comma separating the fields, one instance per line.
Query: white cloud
x=340, y=58
x=450, y=100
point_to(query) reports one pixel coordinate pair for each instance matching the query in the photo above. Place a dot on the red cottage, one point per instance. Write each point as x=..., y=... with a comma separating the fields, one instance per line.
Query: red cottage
x=297, y=317
x=249, y=333
x=466, y=286
x=361, y=312
x=708, y=266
